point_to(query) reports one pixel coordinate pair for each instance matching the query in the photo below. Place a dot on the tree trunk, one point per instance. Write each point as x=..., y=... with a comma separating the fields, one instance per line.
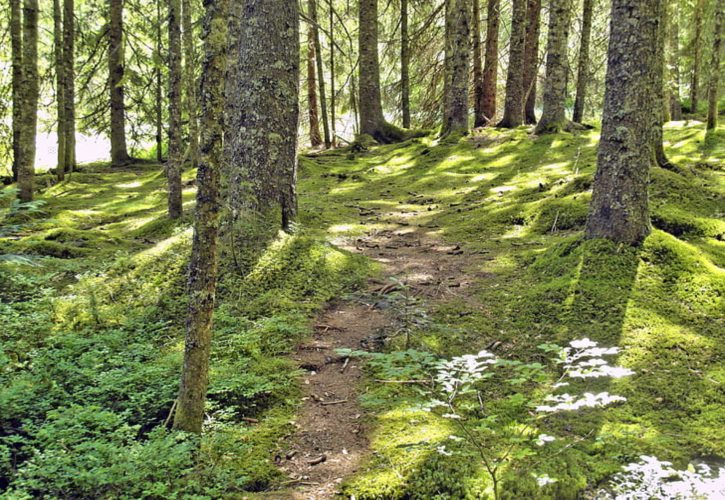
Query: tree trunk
x=189, y=415
x=16, y=42
x=173, y=166
x=315, y=137
x=513, y=114
x=713, y=84
x=263, y=131
x=190, y=82
x=405, y=63
x=333, y=133
x=119, y=153
x=457, y=66
x=29, y=91
x=582, y=79
x=70, y=88
x=59, y=88
x=696, y=41
x=553, y=116
x=159, y=89
x=312, y=12
x=490, y=67
x=674, y=64
x=619, y=208
x=531, y=59
x=479, y=118
x=658, y=92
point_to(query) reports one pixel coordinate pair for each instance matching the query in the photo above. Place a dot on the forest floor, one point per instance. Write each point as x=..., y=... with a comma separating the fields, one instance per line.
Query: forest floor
x=403, y=255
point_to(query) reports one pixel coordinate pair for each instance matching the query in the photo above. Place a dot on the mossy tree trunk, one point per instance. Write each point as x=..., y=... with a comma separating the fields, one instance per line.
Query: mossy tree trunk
x=553, y=116
x=173, y=165
x=189, y=414
x=29, y=101
x=59, y=88
x=674, y=63
x=457, y=66
x=490, y=65
x=119, y=152
x=16, y=44
x=714, y=82
x=405, y=64
x=312, y=13
x=696, y=55
x=513, y=114
x=69, y=87
x=312, y=113
x=262, y=132
x=190, y=101
x=531, y=59
x=619, y=208
x=582, y=79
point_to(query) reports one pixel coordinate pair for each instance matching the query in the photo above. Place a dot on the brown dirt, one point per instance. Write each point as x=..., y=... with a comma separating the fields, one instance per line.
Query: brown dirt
x=331, y=423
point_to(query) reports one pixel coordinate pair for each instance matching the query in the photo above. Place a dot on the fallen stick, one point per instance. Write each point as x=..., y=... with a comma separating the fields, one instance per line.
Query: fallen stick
x=344, y=365
x=317, y=460
x=328, y=403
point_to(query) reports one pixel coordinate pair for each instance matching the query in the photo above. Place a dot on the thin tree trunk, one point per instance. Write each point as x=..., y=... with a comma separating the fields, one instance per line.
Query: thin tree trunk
x=457, y=66
x=713, y=84
x=619, y=209
x=70, y=88
x=333, y=133
x=159, y=88
x=513, y=114
x=314, y=119
x=479, y=118
x=696, y=41
x=173, y=166
x=119, y=152
x=404, y=64
x=26, y=170
x=312, y=12
x=490, y=67
x=190, y=82
x=658, y=92
x=59, y=88
x=189, y=414
x=16, y=42
x=582, y=79
x=531, y=59
x=553, y=116
x=674, y=64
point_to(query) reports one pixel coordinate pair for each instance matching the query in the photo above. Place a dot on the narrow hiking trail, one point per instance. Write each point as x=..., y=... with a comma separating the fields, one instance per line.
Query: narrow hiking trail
x=331, y=441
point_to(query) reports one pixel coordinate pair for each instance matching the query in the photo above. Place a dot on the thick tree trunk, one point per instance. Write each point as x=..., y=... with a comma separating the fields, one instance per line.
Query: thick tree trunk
x=16, y=43
x=29, y=91
x=582, y=79
x=173, y=166
x=189, y=415
x=531, y=59
x=490, y=67
x=405, y=63
x=619, y=208
x=479, y=119
x=513, y=114
x=119, y=152
x=333, y=132
x=263, y=130
x=312, y=13
x=553, y=116
x=457, y=66
x=674, y=64
x=59, y=88
x=190, y=82
x=714, y=83
x=70, y=88
x=314, y=119
x=696, y=41
x=159, y=88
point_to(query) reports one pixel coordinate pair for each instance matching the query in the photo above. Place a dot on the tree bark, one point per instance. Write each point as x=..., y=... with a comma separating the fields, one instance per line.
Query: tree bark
x=159, y=88
x=189, y=414
x=173, y=165
x=696, y=41
x=312, y=12
x=619, y=209
x=457, y=67
x=29, y=91
x=553, y=116
x=582, y=79
x=531, y=59
x=262, y=166
x=314, y=119
x=658, y=92
x=513, y=114
x=479, y=118
x=714, y=83
x=490, y=68
x=16, y=42
x=190, y=82
x=405, y=63
x=69, y=87
x=59, y=88
x=333, y=132
x=119, y=152
x=674, y=64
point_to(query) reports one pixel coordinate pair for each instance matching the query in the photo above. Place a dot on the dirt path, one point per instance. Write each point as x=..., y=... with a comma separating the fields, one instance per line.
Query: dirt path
x=331, y=440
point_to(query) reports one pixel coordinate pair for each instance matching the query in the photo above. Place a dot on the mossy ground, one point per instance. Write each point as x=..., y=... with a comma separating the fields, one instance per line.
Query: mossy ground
x=96, y=328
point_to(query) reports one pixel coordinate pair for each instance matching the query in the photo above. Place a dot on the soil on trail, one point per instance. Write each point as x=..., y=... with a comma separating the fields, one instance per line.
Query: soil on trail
x=331, y=441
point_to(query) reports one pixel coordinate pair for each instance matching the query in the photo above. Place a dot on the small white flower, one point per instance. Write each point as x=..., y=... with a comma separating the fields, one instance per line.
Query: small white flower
x=543, y=439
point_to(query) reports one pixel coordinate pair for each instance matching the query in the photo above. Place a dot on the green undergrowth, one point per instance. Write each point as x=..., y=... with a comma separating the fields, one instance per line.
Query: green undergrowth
x=92, y=312
x=517, y=204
